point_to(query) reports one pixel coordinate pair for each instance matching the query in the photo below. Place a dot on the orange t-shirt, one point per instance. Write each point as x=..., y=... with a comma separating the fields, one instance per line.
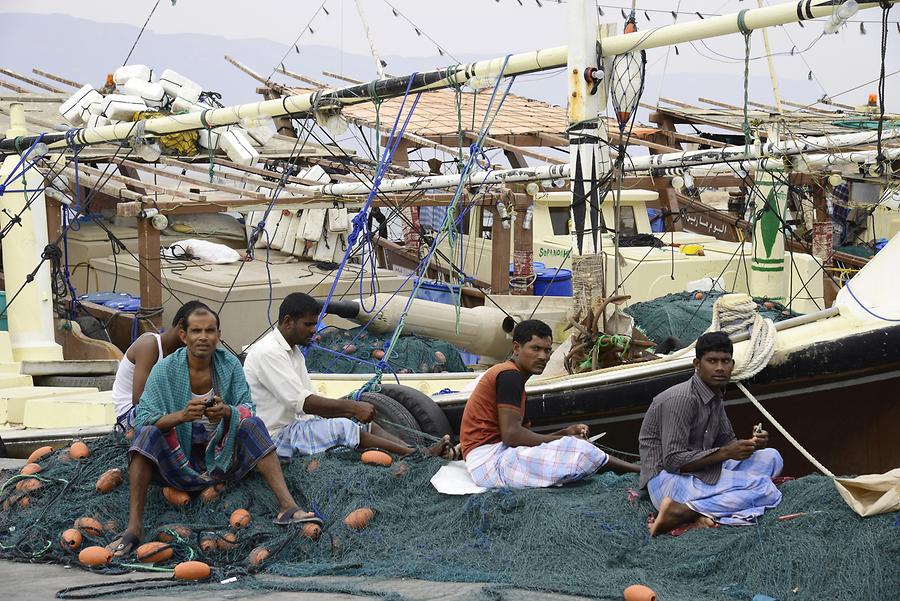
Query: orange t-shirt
x=480, y=424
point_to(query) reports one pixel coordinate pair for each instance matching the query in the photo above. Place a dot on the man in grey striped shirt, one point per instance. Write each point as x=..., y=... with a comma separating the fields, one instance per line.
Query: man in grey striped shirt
x=692, y=464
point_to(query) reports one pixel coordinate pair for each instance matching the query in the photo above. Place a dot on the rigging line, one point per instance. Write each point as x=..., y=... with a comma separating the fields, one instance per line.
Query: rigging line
x=297, y=39
x=689, y=13
x=419, y=29
x=140, y=33
x=805, y=62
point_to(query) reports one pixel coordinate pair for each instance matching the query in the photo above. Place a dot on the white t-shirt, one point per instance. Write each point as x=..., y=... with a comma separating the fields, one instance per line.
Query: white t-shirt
x=279, y=382
x=123, y=385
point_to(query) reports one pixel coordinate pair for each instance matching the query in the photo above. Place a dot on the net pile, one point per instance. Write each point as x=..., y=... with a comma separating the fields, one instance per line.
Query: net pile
x=588, y=538
x=684, y=316
x=411, y=354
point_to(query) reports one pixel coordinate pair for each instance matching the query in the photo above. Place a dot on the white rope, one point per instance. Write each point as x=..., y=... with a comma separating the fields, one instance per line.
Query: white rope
x=785, y=433
x=734, y=313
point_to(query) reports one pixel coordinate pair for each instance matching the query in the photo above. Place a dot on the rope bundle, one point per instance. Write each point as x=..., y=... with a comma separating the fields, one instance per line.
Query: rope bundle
x=734, y=313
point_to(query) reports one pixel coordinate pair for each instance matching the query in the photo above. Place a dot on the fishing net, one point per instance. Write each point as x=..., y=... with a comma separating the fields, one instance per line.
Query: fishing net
x=351, y=352
x=587, y=538
x=684, y=316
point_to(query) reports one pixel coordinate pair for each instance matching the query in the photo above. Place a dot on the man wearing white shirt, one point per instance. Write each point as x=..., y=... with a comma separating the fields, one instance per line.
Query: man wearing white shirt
x=300, y=422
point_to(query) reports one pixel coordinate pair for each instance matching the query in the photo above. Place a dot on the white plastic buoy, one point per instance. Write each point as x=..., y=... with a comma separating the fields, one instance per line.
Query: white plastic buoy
x=179, y=86
x=72, y=109
x=122, y=107
x=238, y=148
x=150, y=92
x=209, y=138
x=126, y=72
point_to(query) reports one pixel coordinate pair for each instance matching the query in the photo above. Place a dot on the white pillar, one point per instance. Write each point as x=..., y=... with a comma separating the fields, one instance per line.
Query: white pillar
x=767, y=276
x=30, y=314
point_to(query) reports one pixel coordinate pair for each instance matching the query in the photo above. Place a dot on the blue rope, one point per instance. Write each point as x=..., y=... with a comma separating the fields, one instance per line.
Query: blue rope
x=360, y=219
x=13, y=175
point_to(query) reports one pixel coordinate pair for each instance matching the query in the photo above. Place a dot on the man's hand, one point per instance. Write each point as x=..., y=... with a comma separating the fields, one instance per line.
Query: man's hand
x=364, y=412
x=760, y=439
x=577, y=430
x=193, y=411
x=738, y=449
x=217, y=411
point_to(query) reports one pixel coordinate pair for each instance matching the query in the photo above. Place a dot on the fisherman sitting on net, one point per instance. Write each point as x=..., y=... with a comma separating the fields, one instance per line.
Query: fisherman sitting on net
x=301, y=422
x=195, y=428
x=149, y=349
x=500, y=452
x=692, y=464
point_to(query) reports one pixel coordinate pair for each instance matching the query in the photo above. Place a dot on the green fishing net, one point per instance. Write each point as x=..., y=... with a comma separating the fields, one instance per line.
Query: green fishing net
x=685, y=317
x=586, y=538
x=411, y=353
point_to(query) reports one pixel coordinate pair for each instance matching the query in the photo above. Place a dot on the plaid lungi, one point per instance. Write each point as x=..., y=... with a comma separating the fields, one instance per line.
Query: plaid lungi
x=563, y=460
x=251, y=445
x=744, y=490
x=316, y=435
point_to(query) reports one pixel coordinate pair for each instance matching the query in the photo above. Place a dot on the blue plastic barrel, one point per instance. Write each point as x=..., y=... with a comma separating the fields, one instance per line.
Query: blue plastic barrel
x=129, y=305
x=657, y=223
x=101, y=298
x=553, y=282
x=437, y=292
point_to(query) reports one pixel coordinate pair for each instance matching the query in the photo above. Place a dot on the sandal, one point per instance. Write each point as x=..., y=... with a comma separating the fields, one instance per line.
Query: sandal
x=286, y=517
x=128, y=542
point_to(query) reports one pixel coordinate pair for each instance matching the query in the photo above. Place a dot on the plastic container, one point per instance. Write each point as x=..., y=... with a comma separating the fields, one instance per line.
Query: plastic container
x=129, y=305
x=437, y=292
x=553, y=282
x=122, y=107
x=101, y=298
x=238, y=148
x=177, y=85
x=126, y=72
x=97, y=121
x=150, y=92
x=73, y=108
x=657, y=223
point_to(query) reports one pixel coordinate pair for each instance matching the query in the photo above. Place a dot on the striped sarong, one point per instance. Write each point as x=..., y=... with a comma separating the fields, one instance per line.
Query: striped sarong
x=316, y=435
x=563, y=460
x=744, y=490
x=252, y=443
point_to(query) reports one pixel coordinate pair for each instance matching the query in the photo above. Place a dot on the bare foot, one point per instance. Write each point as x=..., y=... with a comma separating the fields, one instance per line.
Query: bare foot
x=124, y=544
x=671, y=514
x=705, y=522
x=441, y=448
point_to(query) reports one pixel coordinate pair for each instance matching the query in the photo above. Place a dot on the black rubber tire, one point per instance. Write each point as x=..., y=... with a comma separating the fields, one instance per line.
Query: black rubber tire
x=99, y=382
x=428, y=414
x=389, y=410
x=92, y=328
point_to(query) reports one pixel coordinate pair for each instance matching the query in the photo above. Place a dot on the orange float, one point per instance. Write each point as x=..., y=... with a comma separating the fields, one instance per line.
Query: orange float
x=95, y=556
x=39, y=454
x=376, y=457
x=359, y=519
x=639, y=592
x=24, y=502
x=28, y=485
x=209, y=544
x=153, y=552
x=70, y=539
x=111, y=525
x=240, y=518
x=227, y=542
x=192, y=570
x=258, y=555
x=211, y=494
x=89, y=526
x=312, y=531
x=108, y=480
x=79, y=450
x=31, y=468
x=176, y=497
x=312, y=466
x=166, y=533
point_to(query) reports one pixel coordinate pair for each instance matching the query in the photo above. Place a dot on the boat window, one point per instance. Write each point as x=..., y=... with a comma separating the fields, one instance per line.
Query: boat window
x=487, y=224
x=559, y=219
x=627, y=222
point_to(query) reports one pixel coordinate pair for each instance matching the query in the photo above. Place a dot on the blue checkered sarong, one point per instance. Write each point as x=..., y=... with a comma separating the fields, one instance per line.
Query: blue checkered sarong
x=744, y=490
x=563, y=460
x=316, y=435
x=251, y=444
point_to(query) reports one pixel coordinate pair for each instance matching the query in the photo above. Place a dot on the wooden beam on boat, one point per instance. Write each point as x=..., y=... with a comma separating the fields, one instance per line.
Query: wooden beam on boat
x=807, y=107
x=335, y=164
x=202, y=183
x=130, y=172
x=831, y=102
x=767, y=107
x=677, y=103
x=342, y=77
x=57, y=78
x=490, y=141
x=126, y=181
x=720, y=104
x=31, y=81
x=500, y=252
x=229, y=175
x=150, y=272
x=12, y=86
x=93, y=181
x=297, y=76
x=242, y=67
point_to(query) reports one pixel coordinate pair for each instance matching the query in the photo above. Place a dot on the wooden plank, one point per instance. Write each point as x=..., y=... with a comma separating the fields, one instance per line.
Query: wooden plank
x=720, y=104
x=342, y=77
x=768, y=107
x=202, y=183
x=302, y=78
x=128, y=181
x=150, y=273
x=95, y=181
x=500, y=240
x=12, y=86
x=31, y=81
x=489, y=141
x=242, y=67
x=677, y=103
x=57, y=78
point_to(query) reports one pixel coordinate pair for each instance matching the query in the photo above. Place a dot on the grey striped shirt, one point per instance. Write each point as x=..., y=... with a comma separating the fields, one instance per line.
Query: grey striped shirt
x=684, y=423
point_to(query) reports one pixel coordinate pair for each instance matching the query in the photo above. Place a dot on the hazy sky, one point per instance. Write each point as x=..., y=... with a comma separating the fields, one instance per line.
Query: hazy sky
x=496, y=27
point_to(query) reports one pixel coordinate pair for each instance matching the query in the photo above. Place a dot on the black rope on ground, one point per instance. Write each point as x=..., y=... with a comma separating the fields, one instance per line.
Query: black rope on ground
x=118, y=587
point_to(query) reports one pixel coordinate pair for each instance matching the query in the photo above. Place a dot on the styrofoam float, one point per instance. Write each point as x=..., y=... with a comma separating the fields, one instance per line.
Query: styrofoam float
x=180, y=87
x=126, y=72
x=238, y=148
x=122, y=106
x=72, y=109
x=150, y=92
